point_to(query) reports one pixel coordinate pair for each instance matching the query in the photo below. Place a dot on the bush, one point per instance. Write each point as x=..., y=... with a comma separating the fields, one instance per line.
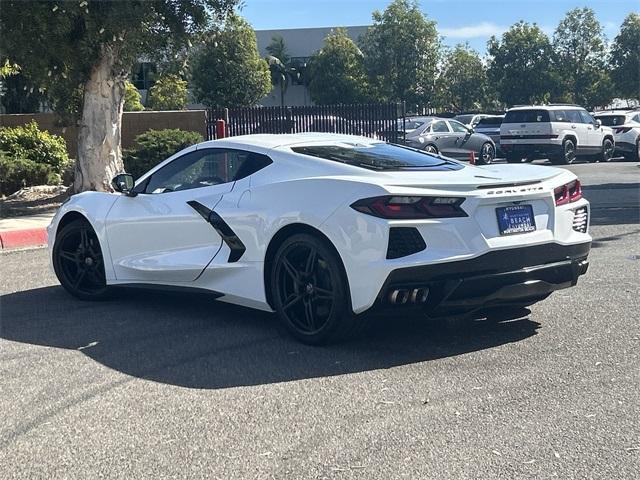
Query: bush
x=16, y=173
x=132, y=98
x=28, y=142
x=155, y=146
x=169, y=92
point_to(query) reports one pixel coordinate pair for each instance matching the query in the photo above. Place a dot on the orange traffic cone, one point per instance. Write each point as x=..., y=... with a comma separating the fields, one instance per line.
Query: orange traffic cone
x=472, y=157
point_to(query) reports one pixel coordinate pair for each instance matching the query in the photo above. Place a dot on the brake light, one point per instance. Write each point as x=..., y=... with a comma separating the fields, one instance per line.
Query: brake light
x=410, y=208
x=571, y=192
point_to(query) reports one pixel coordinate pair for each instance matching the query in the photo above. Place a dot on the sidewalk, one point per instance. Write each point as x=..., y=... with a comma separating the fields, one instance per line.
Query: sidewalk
x=24, y=231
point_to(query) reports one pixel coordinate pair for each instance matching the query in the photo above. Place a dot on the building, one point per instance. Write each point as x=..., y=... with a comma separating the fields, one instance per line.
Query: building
x=301, y=44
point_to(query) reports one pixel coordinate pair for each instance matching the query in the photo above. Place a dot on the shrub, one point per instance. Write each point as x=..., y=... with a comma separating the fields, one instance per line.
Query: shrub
x=155, y=146
x=132, y=98
x=16, y=173
x=30, y=143
x=169, y=92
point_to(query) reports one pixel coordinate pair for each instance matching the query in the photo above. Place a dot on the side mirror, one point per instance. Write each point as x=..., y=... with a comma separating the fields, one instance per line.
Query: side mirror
x=124, y=183
x=597, y=123
x=471, y=130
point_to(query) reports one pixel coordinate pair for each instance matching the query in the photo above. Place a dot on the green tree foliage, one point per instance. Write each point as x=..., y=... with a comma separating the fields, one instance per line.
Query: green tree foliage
x=580, y=56
x=337, y=71
x=169, y=92
x=155, y=146
x=519, y=65
x=278, y=61
x=461, y=85
x=625, y=58
x=81, y=51
x=401, y=51
x=132, y=98
x=227, y=71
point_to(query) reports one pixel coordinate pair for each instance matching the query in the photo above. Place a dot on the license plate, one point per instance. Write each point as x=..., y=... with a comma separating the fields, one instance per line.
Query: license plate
x=515, y=219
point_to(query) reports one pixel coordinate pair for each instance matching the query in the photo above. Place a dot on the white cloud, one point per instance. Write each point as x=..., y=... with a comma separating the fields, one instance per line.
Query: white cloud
x=480, y=30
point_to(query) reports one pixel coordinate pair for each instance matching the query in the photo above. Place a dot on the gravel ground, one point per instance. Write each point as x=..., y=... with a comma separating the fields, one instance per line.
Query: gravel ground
x=177, y=386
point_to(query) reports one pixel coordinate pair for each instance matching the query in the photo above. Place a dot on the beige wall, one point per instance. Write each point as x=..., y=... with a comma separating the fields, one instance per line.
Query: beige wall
x=133, y=124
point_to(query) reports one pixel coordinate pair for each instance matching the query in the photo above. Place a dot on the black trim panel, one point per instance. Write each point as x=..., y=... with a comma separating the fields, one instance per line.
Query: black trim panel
x=224, y=230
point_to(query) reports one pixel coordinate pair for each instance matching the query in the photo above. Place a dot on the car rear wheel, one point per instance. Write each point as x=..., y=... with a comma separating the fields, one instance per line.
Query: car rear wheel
x=634, y=156
x=607, y=150
x=78, y=262
x=567, y=155
x=431, y=149
x=487, y=154
x=310, y=291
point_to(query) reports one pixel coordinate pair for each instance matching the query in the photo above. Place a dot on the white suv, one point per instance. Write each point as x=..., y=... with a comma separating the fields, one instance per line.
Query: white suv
x=626, y=128
x=560, y=133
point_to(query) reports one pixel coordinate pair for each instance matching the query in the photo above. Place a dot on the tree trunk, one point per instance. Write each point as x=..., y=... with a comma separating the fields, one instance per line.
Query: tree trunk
x=99, y=153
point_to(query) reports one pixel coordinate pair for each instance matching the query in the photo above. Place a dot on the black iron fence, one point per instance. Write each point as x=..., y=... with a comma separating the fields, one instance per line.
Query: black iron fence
x=371, y=120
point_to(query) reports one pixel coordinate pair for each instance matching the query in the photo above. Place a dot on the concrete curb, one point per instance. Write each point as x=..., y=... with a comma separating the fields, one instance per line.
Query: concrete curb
x=29, y=237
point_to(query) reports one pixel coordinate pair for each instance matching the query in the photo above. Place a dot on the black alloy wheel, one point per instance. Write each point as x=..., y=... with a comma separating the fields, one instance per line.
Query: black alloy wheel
x=568, y=154
x=310, y=292
x=607, y=150
x=487, y=154
x=78, y=262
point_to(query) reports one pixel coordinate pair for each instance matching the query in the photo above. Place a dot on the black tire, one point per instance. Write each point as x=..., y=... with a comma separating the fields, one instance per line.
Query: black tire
x=607, y=150
x=487, y=154
x=513, y=158
x=567, y=155
x=431, y=148
x=634, y=157
x=310, y=291
x=78, y=262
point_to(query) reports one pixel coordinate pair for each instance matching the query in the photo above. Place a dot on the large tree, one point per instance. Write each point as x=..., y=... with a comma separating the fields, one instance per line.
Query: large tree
x=81, y=53
x=520, y=65
x=336, y=71
x=278, y=61
x=580, y=57
x=401, y=51
x=227, y=70
x=462, y=82
x=625, y=58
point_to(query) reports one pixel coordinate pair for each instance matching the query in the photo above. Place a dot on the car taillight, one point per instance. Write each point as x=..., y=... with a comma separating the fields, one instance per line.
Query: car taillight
x=410, y=208
x=571, y=192
x=622, y=129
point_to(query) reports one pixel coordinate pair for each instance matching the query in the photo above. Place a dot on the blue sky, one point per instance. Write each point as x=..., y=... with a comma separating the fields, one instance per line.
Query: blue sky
x=459, y=21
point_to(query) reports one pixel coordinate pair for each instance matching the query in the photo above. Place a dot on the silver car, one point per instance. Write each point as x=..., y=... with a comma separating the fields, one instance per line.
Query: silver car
x=447, y=137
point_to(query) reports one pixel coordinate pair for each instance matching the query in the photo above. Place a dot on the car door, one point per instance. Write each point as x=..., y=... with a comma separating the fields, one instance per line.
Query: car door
x=594, y=132
x=461, y=140
x=580, y=128
x=442, y=136
x=162, y=234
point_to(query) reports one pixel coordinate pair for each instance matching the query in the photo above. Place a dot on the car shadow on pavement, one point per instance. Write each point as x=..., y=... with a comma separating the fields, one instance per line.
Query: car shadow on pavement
x=192, y=341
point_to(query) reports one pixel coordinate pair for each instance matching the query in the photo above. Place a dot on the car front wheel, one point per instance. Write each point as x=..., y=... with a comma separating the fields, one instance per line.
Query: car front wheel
x=607, y=150
x=487, y=154
x=310, y=291
x=78, y=263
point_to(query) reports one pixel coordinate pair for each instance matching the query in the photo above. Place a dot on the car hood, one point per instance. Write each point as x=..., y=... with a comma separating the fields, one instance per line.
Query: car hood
x=472, y=177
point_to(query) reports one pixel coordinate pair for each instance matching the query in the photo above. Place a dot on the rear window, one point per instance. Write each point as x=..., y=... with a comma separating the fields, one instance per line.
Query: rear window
x=379, y=156
x=463, y=118
x=490, y=122
x=611, y=120
x=526, y=116
x=410, y=124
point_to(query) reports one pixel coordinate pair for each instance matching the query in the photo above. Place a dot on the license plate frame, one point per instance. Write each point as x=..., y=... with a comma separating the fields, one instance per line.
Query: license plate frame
x=516, y=219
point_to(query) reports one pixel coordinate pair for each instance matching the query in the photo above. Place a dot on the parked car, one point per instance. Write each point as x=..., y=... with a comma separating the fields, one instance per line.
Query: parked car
x=490, y=126
x=450, y=138
x=470, y=119
x=626, y=129
x=561, y=133
x=321, y=228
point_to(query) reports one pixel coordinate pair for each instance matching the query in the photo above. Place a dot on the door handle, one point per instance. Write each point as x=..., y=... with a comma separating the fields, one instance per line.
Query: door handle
x=573, y=126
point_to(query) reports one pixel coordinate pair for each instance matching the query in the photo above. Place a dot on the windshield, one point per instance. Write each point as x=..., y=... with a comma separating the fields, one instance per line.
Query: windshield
x=466, y=119
x=379, y=156
x=611, y=120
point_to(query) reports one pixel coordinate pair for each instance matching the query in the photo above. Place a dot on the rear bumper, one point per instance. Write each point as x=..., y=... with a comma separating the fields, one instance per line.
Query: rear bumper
x=500, y=277
x=528, y=149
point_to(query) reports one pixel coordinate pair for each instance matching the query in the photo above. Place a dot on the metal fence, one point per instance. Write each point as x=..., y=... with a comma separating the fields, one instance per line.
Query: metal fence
x=371, y=120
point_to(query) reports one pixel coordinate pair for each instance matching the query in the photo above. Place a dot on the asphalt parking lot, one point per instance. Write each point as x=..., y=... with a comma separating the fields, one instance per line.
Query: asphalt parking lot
x=176, y=386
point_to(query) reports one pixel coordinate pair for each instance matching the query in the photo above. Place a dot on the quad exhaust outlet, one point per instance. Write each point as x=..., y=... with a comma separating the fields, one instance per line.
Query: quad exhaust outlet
x=402, y=296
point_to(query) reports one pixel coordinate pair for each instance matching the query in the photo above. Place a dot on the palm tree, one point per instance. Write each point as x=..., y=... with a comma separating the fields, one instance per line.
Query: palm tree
x=278, y=60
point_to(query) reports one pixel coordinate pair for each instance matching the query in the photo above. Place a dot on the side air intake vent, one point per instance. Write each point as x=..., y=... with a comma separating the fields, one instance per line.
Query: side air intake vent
x=404, y=241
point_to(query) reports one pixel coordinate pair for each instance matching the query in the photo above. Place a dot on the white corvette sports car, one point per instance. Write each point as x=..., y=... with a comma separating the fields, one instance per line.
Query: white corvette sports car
x=321, y=228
